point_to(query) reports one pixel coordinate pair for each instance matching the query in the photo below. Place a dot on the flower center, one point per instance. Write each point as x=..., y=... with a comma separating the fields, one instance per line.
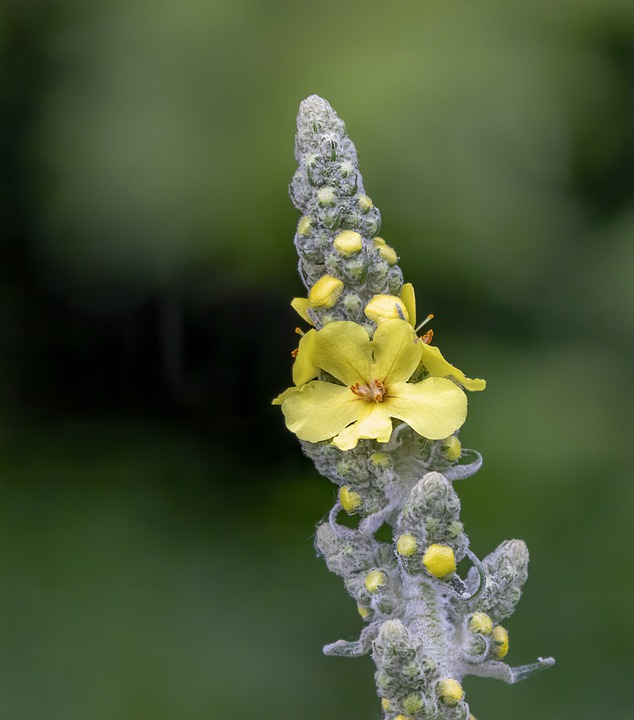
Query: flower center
x=374, y=392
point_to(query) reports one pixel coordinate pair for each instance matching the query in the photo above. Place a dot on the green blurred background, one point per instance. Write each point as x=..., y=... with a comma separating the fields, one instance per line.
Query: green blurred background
x=156, y=517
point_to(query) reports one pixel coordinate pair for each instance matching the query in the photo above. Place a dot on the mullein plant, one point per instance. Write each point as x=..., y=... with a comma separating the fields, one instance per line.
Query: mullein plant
x=377, y=408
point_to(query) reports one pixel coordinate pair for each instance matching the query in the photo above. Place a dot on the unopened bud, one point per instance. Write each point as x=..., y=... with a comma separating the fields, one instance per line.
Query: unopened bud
x=325, y=292
x=349, y=499
x=406, y=545
x=439, y=560
x=449, y=691
x=500, y=639
x=348, y=243
x=374, y=580
x=386, y=307
x=480, y=622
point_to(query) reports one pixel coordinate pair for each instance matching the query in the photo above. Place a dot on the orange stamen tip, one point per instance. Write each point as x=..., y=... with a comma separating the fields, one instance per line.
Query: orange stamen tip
x=299, y=331
x=427, y=337
x=294, y=352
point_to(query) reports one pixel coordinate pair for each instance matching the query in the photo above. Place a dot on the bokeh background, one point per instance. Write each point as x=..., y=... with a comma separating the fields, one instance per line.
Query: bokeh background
x=156, y=517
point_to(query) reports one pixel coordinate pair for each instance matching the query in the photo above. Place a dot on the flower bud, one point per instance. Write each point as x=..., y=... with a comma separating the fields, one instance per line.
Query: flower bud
x=439, y=560
x=349, y=499
x=388, y=254
x=364, y=612
x=381, y=460
x=364, y=203
x=480, y=622
x=374, y=580
x=412, y=704
x=304, y=225
x=325, y=292
x=386, y=704
x=449, y=691
x=386, y=307
x=348, y=243
x=406, y=545
x=452, y=448
x=326, y=196
x=500, y=638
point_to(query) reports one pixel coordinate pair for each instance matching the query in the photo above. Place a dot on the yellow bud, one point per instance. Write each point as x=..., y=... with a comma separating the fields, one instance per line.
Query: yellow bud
x=378, y=242
x=325, y=292
x=374, y=580
x=450, y=691
x=387, y=253
x=500, y=641
x=481, y=623
x=363, y=611
x=402, y=717
x=349, y=499
x=439, y=560
x=406, y=545
x=326, y=196
x=386, y=704
x=452, y=447
x=348, y=243
x=304, y=225
x=386, y=307
x=381, y=460
x=364, y=203
x=471, y=717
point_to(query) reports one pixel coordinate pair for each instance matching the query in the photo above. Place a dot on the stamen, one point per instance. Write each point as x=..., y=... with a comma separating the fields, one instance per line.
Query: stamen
x=294, y=352
x=425, y=321
x=299, y=331
x=375, y=392
x=427, y=337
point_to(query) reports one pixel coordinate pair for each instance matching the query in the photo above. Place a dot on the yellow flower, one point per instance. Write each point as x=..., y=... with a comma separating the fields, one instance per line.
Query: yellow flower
x=374, y=375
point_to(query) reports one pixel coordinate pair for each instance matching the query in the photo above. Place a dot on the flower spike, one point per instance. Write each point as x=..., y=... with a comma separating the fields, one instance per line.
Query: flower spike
x=378, y=409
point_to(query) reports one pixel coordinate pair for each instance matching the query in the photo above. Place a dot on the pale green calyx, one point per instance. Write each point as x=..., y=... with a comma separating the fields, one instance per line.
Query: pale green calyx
x=427, y=627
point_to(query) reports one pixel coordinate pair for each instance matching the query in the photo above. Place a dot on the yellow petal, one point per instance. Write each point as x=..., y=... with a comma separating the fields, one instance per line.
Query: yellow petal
x=343, y=350
x=304, y=369
x=408, y=296
x=282, y=396
x=396, y=352
x=325, y=292
x=374, y=424
x=319, y=410
x=301, y=305
x=435, y=408
x=385, y=307
x=437, y=366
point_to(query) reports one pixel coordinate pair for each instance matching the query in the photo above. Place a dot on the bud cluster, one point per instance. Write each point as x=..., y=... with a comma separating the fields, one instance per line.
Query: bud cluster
x=425, y=626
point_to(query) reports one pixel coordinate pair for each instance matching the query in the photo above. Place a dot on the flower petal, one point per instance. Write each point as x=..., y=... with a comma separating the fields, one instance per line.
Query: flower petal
x=374, y=424
x=408, y=297
x=435, y=408
x=319, y=410
x=304, y=369
x=282, y=396
x=343, y=350
x=437, y=366
x=301, y=305
x=396, y=352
